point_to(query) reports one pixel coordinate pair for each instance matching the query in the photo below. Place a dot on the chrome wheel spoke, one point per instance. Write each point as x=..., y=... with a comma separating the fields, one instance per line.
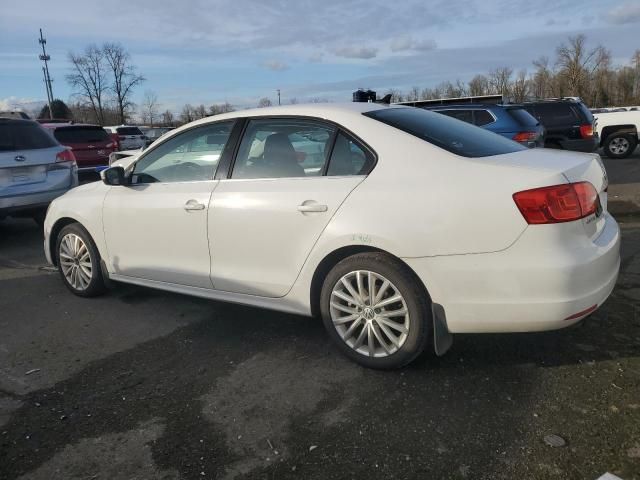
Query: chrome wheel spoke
x=75, y=261
x=369, y=313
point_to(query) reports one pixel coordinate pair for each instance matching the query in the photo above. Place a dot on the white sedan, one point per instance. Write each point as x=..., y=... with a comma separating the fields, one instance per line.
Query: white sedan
x=398, y=226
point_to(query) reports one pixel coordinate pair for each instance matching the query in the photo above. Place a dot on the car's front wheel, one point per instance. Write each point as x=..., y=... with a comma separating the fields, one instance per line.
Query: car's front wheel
x=619, y=145
x=79, y=261
x=375, y=310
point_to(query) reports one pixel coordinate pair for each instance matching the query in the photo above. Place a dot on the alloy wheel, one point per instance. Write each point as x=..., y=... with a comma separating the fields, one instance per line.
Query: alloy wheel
x=619, y=145
x=75, y=261
x=369, y=313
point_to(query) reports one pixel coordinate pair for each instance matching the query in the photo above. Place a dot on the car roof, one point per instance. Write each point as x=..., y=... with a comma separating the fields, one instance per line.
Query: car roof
x=11, y=120
x=54, y=126
x=488, y=106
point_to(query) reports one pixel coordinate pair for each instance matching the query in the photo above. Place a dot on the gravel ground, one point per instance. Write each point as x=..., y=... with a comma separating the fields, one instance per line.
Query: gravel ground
x=145, y=384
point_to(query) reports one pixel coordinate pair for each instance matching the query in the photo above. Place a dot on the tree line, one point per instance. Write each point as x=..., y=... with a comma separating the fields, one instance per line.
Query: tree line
x=575, y=71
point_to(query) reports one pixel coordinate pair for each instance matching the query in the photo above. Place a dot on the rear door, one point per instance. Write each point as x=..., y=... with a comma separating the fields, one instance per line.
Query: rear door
x=268, y=213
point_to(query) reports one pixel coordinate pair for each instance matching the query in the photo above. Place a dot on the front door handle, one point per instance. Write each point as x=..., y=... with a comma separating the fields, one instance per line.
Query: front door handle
x=314, y=207
x=193, y=205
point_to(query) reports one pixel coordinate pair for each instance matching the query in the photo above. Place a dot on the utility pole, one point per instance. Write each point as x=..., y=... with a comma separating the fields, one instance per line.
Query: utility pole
x=45, y=70
x=278, y=96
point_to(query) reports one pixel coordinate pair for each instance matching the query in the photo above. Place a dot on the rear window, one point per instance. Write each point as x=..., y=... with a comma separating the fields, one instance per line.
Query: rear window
x=456, y=137
x=482, y=117
x=128, y=131
x=80, y=134
x=24, y=136
x=523, y=117
x=555, y=114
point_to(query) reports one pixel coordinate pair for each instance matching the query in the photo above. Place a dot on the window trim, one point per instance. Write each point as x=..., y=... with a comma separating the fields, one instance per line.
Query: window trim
x=473, y=115
x=222, y=175
x=156, y=145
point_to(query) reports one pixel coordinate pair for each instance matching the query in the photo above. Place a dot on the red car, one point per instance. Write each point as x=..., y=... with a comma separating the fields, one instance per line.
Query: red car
x=91, y=144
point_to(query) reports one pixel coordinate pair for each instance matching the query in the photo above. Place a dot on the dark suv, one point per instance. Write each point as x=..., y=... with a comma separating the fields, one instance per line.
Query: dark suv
x=568, y=122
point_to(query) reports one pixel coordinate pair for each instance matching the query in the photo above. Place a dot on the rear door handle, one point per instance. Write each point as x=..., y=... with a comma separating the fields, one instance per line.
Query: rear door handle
x=193, y=205
x=314, y=207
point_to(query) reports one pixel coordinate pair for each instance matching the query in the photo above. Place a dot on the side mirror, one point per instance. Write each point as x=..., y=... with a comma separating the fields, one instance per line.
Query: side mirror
x=113, y=176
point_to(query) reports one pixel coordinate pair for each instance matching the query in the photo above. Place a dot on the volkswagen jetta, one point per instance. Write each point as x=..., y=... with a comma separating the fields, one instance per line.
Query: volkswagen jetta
x=398, y=226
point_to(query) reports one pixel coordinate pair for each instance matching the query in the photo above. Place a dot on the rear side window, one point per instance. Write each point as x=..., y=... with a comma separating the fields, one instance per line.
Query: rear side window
x=349, y=158
x=24, y=136
x=555, y=114
x=456, y=137
x=523, y=117
x=482, y=117
x=464, y=115
x=80, y=134
x=128, y=131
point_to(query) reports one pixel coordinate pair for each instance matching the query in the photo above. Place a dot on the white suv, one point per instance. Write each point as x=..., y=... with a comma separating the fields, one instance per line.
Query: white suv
x=129, y=137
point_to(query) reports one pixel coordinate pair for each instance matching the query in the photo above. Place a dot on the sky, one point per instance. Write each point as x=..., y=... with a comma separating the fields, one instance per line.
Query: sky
x=213, y=51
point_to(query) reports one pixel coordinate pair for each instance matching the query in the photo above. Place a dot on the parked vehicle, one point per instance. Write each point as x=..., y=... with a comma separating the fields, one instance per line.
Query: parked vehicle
x=91, y=144
x=34, y=169
x=129, y=137
x=510, y=121
x=568, y=123
x=416, y=225
x=154, y=133
x=618, y=132
x=14, y=114
x=53, y=120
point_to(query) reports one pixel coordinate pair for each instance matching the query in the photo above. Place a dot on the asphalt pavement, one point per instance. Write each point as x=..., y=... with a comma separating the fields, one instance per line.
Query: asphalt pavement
x=146, y=384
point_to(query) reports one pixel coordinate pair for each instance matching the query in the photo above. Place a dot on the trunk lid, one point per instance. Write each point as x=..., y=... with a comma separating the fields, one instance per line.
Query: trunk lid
x=32, y=169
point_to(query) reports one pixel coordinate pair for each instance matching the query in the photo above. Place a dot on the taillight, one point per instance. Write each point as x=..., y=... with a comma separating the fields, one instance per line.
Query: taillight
x=586, y=131
x=65, y=156
x=525, y=136
x=556, y=204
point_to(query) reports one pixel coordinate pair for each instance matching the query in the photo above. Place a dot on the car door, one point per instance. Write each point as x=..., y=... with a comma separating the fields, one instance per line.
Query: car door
x=268, y=213
x=156, y=227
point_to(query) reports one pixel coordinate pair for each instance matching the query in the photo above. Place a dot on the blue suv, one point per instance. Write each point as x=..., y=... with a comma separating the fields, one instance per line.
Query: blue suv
x=511, y=121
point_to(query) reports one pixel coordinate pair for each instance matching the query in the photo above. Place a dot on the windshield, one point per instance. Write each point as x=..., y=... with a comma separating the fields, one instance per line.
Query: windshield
x=448, y=133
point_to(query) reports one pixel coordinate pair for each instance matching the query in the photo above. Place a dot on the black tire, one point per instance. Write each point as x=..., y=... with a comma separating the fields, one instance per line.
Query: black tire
x=96, y=284
x=406, y=283
x=613, y=143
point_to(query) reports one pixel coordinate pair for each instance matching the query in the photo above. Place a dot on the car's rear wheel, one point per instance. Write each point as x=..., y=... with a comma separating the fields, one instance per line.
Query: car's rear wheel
x=619, y=145
x=375, y=310
x=79, y=261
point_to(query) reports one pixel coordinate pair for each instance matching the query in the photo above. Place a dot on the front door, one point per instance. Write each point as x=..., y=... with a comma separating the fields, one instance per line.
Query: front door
x=265, y=219
x=156, y=228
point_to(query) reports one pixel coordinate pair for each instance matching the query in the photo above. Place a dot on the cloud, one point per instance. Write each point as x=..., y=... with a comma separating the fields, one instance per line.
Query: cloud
x=406, y=43
x=275, y=65
x=20, y=104
x=356, y=52
x=625, y=13
x=316, y=57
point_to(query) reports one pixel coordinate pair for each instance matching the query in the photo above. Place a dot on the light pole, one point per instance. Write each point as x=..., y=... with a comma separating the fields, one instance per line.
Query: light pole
x=278, y=96
x=45, y=70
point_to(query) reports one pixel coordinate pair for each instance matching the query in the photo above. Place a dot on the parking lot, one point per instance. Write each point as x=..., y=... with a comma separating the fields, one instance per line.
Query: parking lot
x=145, y=384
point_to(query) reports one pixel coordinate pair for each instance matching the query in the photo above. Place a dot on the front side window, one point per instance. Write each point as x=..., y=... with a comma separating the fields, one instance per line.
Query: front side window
x=188, y=157
x=283, y=148
x=456, y=137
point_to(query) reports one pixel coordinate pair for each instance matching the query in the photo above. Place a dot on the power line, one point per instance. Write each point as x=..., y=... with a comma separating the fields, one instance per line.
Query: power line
x=45, y=71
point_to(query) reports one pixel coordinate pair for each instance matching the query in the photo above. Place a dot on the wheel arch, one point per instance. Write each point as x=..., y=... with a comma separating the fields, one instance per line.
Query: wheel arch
x=55, y=230
x=611, y=129
x=339, y=254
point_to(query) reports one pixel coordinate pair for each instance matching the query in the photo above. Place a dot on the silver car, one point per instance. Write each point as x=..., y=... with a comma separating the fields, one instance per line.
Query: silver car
x=34, y=169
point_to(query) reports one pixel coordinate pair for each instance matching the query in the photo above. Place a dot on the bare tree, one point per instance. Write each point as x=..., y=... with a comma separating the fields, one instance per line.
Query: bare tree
x=167, y=118
x=520, y=87
x=124, y=76
x=414, y=94
x=199, y=112
x=217, y=109
x=264, y=102
x=187, y=115
x=479, y=85
x=88, y=79
x=500, y=80
x=576, y=64
x=150, y=106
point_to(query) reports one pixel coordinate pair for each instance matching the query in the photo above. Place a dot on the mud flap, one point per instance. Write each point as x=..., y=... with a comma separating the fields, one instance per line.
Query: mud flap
x=442, y=338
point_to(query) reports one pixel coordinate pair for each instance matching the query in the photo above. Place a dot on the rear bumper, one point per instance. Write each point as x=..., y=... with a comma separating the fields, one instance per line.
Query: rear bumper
x=534, y=285
x=582, y=145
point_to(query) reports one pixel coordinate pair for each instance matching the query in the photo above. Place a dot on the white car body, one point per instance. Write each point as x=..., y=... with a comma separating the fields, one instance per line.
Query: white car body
x=617, y=119
x=451, y=219
x=128, y=141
